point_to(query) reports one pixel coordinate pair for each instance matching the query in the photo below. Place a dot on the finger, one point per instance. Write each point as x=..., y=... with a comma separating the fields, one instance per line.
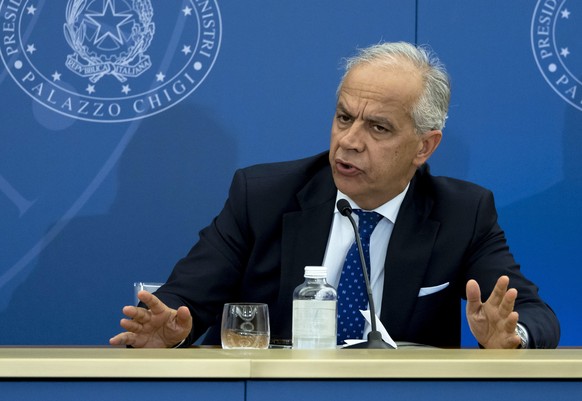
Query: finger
x=499, y=291
x=138, y=314
x=473, y=297
x=131, y=325
x=184, y=318
x=152, y=302
x=513, y=340
x=511, y=322
x=122, y=339
x=129, y=311
x=144, y=296
x=508, y=303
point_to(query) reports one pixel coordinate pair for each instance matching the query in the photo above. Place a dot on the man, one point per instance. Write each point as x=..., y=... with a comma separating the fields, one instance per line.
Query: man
x=437, y=241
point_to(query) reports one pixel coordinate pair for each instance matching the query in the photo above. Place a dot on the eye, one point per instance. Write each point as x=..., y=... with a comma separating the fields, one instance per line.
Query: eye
x=380, y=128
x=343, y=118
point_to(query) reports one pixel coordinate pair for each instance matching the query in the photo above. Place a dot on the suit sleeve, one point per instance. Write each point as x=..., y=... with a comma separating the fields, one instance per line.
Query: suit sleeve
x=489, y=258
x=210, y=274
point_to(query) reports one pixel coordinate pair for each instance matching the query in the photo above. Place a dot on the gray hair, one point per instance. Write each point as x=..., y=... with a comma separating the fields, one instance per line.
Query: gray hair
x=430, y=110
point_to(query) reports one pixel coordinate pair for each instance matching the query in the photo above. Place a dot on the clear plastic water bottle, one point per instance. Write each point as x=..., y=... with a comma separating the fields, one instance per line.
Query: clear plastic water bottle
x=314, y=311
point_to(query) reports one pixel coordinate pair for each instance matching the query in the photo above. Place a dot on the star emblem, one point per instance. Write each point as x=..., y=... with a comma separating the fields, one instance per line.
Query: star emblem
x=160, y=77
x=30, y=10
x=125, y=89
x=565, y=13
x=187, y=11
x=30, y=48
x=56, y=76
x=109, y=24
x=186, y=50
x=90, y=89
x=564, y=52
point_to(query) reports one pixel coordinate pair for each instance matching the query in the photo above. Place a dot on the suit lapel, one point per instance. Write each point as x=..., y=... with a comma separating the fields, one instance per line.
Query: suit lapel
x=407, y=259
x=305, y=233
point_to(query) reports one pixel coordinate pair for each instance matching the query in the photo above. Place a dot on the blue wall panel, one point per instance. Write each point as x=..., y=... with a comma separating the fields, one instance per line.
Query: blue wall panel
x=515, y=130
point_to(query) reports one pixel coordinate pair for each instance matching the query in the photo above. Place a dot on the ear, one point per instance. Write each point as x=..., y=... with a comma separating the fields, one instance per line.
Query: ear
x=430, y=140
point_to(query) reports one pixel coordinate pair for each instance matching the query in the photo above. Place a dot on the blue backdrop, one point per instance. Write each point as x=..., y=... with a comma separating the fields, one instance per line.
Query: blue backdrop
x=123, y=121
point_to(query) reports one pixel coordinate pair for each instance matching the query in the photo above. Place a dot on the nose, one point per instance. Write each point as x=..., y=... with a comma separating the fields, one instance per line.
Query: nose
x=353, y=137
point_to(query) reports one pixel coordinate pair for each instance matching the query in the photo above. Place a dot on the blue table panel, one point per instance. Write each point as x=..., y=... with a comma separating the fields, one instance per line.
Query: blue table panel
x=413, y=390
x=122, y=391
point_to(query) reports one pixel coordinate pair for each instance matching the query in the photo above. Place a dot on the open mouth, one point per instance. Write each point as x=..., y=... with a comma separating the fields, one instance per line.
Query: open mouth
x=346, y=168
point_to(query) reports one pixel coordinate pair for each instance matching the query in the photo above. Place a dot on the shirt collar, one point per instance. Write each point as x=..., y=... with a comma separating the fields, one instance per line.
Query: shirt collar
x=388, y=210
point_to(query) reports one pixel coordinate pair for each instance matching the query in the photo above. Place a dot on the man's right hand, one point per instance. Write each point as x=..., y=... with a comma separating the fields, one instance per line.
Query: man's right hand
x=156, y=327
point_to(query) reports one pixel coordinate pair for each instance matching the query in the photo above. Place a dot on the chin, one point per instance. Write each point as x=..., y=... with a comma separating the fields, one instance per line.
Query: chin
x=348, y=190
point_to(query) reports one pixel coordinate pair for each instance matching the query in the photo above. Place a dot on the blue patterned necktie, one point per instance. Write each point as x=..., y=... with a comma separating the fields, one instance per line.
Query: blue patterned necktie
x=352, y=294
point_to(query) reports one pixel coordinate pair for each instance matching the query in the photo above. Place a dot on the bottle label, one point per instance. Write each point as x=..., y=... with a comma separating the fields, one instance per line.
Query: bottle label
x=314, y=324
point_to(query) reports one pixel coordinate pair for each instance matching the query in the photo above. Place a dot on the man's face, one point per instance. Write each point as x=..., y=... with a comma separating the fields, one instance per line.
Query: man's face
x=375, y=149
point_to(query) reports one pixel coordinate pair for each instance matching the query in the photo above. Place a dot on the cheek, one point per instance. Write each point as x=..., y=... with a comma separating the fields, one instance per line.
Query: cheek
x=334, y=135
x=388, y=162
x=335, y=142
x=406, y=151
x=390, y=155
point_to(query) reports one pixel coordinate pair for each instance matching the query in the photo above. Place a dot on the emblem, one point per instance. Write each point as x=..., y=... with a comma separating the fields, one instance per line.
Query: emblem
x=109, y=60
x=557, y=49
x=109, y=49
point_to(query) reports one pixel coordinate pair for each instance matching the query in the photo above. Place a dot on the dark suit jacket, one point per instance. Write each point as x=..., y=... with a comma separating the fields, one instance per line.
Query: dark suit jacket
x=277, y=220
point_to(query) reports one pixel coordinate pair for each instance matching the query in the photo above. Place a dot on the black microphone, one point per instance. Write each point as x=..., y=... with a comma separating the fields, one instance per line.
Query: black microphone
x=374, y=336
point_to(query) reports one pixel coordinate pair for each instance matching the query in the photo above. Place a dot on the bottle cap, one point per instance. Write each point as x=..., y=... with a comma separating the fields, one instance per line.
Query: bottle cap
x=315, y=272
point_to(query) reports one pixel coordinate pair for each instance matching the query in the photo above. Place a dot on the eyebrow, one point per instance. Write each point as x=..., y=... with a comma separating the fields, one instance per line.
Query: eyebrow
x=380, y=121
x=340, y=107
x=370, y=119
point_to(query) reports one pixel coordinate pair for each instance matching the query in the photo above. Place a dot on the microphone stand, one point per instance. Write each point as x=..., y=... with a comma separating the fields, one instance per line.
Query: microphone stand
x=374, y=340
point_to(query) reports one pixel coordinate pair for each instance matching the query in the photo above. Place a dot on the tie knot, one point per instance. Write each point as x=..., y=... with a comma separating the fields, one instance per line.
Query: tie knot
x=367, y=222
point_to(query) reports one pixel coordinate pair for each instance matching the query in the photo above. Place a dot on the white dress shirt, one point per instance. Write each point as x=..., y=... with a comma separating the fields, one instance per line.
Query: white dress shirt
x=341, y=238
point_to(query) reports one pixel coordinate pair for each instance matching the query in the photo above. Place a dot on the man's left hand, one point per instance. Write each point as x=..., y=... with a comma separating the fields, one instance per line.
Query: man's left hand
x=493, y=323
